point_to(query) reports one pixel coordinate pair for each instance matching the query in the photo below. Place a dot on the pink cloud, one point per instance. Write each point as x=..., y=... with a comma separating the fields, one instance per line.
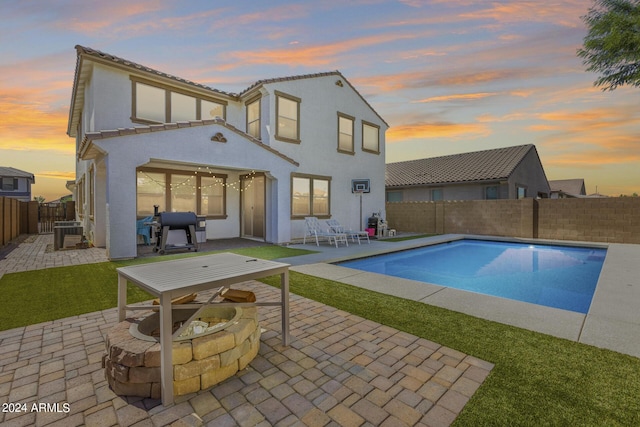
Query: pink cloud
x=430, y=130
x=457, y=97
x=307, y=55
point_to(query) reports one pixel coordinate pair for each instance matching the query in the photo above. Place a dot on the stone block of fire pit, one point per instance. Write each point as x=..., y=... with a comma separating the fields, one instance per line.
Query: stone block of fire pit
x=132, y=363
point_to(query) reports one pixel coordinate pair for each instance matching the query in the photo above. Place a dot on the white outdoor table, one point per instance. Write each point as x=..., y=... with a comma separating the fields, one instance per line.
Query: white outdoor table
x=169, y=279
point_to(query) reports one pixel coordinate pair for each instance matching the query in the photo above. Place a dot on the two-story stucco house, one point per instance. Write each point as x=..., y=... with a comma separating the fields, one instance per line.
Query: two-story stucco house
x=16, y=183
x=254, y=163
x=500, y=173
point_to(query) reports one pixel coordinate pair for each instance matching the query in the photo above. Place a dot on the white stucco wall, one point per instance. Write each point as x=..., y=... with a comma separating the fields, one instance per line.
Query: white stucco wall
x=189, y=146
x=110, y=96
x=107, y=106
x=317, y=152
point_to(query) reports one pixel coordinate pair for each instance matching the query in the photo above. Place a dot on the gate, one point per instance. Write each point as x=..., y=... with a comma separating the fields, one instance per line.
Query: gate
x=49, y=213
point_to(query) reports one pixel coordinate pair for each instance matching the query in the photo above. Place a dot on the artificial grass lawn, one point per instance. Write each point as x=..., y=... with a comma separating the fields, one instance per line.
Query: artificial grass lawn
x=537, y=379
x=41, y=295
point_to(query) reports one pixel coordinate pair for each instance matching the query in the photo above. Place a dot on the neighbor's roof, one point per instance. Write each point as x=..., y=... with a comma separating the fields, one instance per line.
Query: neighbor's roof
x=574, y=187
x=484, y=165
x=15, y=173
x=112, y=60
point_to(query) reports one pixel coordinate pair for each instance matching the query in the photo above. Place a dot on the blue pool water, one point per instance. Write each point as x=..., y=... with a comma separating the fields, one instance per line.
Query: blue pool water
x=554, y=276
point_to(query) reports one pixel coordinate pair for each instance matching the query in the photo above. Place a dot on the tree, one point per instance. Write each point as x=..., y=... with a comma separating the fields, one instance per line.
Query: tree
x=39, y=199
x=612, y=45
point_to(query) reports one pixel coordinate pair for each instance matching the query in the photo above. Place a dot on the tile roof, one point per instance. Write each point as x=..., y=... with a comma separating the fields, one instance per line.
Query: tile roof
x=483, y=165
x=138, y=67
x=15, y=173
x=121, y=62
x=311, y=76
x=575, y=187
x=92, y=136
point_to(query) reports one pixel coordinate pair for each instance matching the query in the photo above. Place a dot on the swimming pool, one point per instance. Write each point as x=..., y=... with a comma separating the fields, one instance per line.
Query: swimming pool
x=554, y=276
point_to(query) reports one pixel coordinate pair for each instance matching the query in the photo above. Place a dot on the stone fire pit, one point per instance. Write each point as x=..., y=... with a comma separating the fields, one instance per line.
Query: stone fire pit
x=201, y=359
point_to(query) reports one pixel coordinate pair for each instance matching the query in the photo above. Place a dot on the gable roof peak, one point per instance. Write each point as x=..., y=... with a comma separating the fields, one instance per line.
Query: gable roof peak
x=113, y=60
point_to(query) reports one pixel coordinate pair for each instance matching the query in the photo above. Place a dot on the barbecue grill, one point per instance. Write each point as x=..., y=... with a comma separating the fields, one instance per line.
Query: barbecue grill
x=170, y=221
x=373, y=222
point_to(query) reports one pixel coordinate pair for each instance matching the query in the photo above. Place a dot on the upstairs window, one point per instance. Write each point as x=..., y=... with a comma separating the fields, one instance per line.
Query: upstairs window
x=345, y=133
x=150, y=103
x=153, y=103
x=211, y=110
x=183, y=107
x=253, y=118
x=9, y=184
x=287, y=117
x=370, y=138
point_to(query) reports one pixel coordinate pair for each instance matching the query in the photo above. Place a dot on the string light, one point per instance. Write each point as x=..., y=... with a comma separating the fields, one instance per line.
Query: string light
x=235, y=185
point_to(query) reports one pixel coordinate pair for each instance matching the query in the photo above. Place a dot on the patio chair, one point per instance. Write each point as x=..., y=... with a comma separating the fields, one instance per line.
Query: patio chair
x=316, y=231
x=144, y=230
x=335, y=227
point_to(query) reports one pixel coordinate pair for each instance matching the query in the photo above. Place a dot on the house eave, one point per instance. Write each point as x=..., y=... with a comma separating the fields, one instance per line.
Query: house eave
x=89, y=150
x=443, y=183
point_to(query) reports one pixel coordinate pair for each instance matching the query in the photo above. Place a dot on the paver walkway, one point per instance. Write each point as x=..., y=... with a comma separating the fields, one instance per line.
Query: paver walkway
x=340, y=370
x=36, y=252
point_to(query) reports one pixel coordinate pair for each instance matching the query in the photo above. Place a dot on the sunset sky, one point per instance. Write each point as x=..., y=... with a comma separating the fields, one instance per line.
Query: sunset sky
x=449, y=76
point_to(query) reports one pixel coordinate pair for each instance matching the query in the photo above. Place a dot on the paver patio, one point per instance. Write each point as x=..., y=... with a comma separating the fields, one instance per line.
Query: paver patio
x=340, y=369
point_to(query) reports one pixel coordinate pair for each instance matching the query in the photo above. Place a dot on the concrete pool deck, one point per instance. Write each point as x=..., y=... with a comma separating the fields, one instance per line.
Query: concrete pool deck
x=612, y=321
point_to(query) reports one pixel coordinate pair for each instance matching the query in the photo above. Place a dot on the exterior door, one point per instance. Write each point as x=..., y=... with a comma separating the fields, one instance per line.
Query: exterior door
x=253, y=206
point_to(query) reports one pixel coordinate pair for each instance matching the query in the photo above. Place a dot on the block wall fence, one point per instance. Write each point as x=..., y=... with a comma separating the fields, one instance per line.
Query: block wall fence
x=614, y=220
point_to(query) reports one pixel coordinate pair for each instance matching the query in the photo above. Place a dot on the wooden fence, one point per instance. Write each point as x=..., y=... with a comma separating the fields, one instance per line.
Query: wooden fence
x=49, y=213
x=17, y=218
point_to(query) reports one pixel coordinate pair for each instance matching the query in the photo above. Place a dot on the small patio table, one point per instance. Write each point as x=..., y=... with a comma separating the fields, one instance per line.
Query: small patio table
x=169, y=279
